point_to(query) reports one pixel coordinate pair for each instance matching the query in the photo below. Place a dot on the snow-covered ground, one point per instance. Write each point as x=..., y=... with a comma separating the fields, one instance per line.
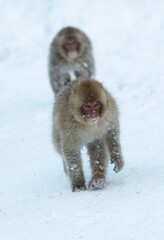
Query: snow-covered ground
x=36, y=201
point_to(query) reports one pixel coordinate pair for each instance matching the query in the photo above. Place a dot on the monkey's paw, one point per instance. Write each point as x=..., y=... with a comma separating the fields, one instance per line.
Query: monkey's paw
x=96, y=184
x=118, y=165
x=78, y=188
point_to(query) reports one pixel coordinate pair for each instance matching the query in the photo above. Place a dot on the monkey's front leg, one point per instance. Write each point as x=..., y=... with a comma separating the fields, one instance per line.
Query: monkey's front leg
x=75, y=171
x=113, y=143
x=98, y=160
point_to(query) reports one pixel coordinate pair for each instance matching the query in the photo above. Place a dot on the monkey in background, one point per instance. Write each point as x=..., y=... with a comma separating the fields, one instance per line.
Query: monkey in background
x=85, y=114
x=70, y=58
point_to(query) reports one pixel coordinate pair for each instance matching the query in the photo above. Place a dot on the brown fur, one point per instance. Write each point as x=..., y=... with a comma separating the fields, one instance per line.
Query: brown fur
x=60, y=65
x=71, y=132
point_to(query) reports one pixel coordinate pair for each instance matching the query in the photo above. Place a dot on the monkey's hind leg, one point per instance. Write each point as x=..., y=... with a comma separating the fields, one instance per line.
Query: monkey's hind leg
x=98, y=160
x=75, y=171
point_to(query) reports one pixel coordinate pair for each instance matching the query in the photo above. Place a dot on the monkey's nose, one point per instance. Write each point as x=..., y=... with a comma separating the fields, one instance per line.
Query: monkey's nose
x=93, y=114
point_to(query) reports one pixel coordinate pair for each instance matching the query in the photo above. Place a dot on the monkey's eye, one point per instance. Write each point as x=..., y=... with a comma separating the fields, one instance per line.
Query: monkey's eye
x=87, y=106
x=97, y=104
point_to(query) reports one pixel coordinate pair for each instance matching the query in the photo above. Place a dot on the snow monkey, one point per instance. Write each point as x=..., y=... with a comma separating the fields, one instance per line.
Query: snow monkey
x=85, y=114
x=70, y=58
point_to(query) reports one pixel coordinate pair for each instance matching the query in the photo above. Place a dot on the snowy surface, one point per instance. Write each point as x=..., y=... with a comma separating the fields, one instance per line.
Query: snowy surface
x=36, y=201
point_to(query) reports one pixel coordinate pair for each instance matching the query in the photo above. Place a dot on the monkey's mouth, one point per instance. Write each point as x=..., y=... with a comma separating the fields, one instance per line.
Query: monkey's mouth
x=91, y=119
x=72, y=54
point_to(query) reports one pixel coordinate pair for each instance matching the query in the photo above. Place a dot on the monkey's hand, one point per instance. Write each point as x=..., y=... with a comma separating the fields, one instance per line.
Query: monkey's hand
x=118, y=163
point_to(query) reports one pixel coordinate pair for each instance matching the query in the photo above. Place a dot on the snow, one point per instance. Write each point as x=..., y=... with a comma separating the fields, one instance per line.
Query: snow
x=36, y=201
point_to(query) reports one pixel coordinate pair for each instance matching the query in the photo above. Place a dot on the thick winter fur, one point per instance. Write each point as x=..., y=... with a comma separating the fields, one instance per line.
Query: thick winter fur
x=62, y=67
x=71, y=132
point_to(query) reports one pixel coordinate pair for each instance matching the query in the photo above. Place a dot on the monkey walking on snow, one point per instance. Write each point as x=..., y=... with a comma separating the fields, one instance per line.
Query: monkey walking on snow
x=85, y=114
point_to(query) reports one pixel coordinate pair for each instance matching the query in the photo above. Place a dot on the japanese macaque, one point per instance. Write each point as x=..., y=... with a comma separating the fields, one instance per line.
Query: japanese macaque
x=85, y=114
x=70, y=58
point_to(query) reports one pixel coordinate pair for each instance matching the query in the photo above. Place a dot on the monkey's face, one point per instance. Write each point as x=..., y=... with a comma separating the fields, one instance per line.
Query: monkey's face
x=89, y=102
x=71, y=43
x=91, y=111
x=71, y=48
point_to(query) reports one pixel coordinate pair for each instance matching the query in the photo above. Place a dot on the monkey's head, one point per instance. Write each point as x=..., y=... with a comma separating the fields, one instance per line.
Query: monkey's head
x=71, y=42
x=89, y=101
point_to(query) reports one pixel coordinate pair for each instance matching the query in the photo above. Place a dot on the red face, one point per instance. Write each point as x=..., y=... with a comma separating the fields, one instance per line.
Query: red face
x=91, y=111
x=72, y=48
